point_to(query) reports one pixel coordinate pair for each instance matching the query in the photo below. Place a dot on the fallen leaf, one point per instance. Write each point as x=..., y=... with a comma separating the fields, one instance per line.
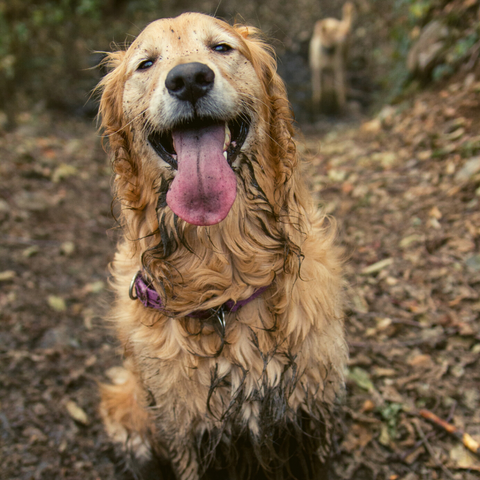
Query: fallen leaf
x=361, y=378
x=377, y=267
x=386, y=159
x=384, y=372
x=384, y=437
x=63, y=171
x=67, y=248
x=32, y=201
x=424, y=155
x=4, y=206
x=435, y=213
x=57, y=303
x=383, y=323
x=410, y=240
x=373, y=126
x=30, y=251
x=409, y=459
x=94, y=287
x=77, y=413
x=7, y=275
x=470, y=168
x=358, y=437
x=337, y=176
x=462, y=458
x=455, y=135
x=421, y=361
x=368, y=406
x=473, y=263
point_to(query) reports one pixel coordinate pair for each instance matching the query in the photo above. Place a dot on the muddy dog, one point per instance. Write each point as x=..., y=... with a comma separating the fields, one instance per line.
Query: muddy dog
x=228, y=280
x=327, y=56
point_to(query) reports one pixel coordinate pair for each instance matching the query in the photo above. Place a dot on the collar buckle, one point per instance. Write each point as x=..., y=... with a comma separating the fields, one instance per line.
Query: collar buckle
x=132, y=289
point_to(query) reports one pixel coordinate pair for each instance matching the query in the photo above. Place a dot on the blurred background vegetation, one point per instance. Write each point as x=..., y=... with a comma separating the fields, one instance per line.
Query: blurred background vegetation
x=49, y=49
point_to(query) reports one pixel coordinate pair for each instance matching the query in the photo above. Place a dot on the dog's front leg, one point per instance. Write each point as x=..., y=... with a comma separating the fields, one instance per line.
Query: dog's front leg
x=340, y=82
x=316, y=87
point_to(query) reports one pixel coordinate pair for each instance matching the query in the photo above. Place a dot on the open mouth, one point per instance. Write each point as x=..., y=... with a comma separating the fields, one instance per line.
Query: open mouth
x=236, y=132
x=202, y=152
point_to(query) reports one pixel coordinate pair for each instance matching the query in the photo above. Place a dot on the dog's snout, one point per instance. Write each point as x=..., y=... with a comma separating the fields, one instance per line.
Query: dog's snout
x=190, y=81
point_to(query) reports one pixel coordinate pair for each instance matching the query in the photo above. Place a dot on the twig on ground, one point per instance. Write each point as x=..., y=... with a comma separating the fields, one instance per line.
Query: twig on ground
x=465, y=438
x=452, y=411
x=429, y=448
x=417, y=444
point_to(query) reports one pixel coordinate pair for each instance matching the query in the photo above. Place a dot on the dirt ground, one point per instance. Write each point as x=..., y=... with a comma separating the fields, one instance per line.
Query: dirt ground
x=405, y=189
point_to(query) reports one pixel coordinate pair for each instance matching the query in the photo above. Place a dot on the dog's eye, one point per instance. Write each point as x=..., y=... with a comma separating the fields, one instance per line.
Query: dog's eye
x=145, y=64
x=221, y=48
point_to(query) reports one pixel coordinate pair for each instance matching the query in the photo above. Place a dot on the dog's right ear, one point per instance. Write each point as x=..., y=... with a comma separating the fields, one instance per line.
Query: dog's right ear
x=348, y=10
x=279, y=113
x=111, y=88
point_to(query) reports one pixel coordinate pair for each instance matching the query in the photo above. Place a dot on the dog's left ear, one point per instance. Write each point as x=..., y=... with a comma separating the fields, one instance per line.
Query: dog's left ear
x=111, y=88
x=113, y=126
x=279, y=111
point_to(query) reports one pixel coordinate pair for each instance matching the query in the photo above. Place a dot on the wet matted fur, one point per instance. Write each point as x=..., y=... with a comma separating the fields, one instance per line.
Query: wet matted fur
x=253, y=399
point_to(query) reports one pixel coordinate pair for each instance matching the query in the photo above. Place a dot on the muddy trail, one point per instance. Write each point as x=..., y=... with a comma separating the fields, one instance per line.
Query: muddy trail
x=405, y=189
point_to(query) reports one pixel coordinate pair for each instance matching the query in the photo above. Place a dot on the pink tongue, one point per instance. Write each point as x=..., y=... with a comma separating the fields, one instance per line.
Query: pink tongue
x=205, y=187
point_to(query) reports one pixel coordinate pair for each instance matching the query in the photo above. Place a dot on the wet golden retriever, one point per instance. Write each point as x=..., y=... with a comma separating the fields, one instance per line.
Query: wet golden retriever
x=228, y=280
x=327, y=59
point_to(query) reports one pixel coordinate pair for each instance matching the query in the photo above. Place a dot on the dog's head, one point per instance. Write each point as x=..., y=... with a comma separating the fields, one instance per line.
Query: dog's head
x=332, y=32
x=186, y=102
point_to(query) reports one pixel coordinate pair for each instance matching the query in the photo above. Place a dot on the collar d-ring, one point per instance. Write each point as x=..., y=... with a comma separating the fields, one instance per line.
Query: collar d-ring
x=132, y=289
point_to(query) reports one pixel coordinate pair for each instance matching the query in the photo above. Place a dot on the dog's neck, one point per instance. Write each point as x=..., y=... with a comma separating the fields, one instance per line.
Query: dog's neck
x=144, y=291
x=329, y=51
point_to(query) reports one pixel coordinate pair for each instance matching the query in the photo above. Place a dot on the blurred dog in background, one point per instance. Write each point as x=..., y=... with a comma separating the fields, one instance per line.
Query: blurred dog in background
x=327, y=59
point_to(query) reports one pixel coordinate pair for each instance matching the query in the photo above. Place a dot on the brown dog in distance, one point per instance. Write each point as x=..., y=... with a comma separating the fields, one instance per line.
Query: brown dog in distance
x=327, y=58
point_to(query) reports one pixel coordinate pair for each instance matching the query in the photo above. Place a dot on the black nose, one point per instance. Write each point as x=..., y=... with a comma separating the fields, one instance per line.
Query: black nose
x=190, y=81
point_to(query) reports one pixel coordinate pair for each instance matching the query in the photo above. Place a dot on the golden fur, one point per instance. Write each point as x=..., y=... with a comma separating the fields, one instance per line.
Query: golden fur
x=262, y=405
x=328, y=48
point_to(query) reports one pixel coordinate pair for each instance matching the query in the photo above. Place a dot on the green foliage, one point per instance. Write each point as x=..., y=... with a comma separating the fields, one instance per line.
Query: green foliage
x=46, y=48
x=462, y=46
x=418, y=10
x=442, y=71
x=470, y=147
x=390, y=413
x=38, y=45
x=410, y=17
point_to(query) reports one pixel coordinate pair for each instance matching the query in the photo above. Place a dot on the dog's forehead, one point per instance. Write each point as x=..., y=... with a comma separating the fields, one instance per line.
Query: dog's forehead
x=185, y=31
x=330, y=24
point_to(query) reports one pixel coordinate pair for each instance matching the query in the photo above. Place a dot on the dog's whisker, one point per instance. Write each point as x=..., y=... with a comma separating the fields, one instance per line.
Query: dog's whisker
x=124, y=127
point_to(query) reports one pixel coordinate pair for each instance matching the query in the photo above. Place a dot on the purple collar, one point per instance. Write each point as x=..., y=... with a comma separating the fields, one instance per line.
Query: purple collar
x=151, y=299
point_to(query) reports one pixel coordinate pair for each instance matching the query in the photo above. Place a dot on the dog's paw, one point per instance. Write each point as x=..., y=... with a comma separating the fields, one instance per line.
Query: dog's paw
x=123, y=413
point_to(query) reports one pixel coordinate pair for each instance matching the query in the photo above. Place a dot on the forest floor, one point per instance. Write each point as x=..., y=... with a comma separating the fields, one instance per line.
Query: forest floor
x=405, y=189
